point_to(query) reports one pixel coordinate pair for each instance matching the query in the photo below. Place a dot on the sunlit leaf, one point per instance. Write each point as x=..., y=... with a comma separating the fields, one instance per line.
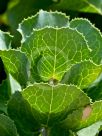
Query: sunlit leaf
x=57, y=49
x=52, y=103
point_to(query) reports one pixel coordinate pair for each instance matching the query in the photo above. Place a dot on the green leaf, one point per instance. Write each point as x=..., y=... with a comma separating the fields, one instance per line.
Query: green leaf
x=51, y=104
x=91, y=130
x=41, y=20
x=5, y=40
x=82, y=74
x=16, y=64
x=92, y=35
x=15, y=15
x=58, y=49
x=84, y=117
x=20, y=111
x=79, y=5
x=7, y=126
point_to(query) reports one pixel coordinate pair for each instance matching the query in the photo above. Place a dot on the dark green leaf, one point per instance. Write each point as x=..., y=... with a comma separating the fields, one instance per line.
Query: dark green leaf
x=4, y=96
x=20, y=111
x=95, y=91
x=7, y=126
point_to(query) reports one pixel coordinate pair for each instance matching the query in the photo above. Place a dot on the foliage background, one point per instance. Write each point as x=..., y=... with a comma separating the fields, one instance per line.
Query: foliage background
x=13, y=11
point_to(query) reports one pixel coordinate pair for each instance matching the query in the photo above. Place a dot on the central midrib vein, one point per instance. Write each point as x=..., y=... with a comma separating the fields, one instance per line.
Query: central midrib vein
x=54, y=69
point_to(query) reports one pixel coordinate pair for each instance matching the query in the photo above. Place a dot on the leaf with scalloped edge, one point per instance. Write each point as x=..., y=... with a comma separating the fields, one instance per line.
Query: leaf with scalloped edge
x=57, y=49
x=82, y=74
x=41, y=20
x=15, y=14
x=94, y=6
x=5, y=40
x=92, y=35
x=84, y=117
x=51, y=104
x=7, y=126
x=16, y=64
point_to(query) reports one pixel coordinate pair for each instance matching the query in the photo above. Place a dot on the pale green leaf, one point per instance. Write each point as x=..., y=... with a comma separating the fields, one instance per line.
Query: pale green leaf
x=56, y=50
x=52, y=103
x=82, y=74
x=7, y=126
x=14, y=85
x=91, y=130
x=40, y=20
x=5, y=40
x=16, y=64
x=92, y=35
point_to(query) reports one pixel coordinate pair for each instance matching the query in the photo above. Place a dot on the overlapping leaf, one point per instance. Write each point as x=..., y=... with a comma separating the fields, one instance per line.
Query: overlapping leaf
x=54, y=49
x=31, y=7
x=15, y=14
x=84, y=117
x=41, y=20
x=86, y=72
x=52, y=103
x=92, y=35
x=58, y=48
x=82, y=74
